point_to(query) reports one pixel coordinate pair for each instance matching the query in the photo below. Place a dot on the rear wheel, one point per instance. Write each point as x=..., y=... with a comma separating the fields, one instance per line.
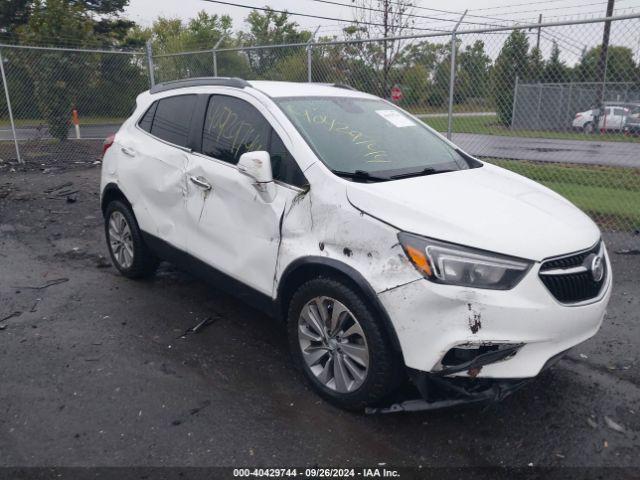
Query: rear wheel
x=128, y=251
x=588, y=127
x=338, y=343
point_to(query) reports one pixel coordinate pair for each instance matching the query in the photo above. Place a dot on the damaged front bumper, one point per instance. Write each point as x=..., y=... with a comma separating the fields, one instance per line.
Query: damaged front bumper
x=438, y=391
x=487, y=334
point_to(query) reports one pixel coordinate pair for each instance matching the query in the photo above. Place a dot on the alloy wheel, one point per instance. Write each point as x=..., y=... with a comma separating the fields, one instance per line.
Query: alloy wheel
x=333, y=344
x=120, y=240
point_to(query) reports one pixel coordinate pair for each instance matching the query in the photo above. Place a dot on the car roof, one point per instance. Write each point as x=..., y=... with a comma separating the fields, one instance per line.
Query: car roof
x=305, y=89
x=270, y=88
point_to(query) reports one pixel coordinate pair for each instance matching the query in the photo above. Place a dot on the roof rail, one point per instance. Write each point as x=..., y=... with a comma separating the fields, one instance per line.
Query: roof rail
x=343, y=85
x=200, y=82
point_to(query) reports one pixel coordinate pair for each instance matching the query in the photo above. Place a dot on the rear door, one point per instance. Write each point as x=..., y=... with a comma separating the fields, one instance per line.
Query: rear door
x=154, y=176
x=231, y=228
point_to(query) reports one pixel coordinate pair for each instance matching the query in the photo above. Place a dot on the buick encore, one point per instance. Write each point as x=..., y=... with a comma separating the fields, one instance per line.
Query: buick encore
x=388, y=252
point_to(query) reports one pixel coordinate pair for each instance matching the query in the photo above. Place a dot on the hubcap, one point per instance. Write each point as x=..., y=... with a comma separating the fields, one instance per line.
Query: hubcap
x=333, y=344
x=120, y=240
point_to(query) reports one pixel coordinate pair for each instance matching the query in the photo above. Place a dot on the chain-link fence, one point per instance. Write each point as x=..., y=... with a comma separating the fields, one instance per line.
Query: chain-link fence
x=64, y=103
x=544, y=100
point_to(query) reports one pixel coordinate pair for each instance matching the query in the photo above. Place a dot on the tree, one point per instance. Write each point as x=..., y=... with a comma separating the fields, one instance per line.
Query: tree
x=172, y=35
x=535, y=69
x=272, y=28
x=620, y=65
x=13, y=14
x=511, y=62
x=57, y=76
x=380, y=18
x=472, y=79
x=555, y=70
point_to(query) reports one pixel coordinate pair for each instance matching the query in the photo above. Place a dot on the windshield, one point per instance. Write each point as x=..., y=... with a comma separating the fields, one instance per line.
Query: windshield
x=370, y=139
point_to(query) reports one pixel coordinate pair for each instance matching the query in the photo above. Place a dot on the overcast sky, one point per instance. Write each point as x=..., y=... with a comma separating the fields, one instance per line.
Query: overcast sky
x=145, y=11
x=571, y=39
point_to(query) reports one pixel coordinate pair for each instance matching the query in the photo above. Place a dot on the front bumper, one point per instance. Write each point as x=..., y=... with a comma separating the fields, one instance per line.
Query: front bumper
x=432, y=319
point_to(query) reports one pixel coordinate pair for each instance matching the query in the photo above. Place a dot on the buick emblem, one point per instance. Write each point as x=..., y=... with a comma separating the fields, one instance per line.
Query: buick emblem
x=597, y=268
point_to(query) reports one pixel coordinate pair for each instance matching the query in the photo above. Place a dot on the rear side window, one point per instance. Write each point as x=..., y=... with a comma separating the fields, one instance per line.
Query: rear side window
x=233, y=127
x=172, y=119
x=147, y=119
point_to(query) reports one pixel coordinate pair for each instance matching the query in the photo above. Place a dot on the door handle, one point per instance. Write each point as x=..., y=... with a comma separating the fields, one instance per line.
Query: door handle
x=201, y=182
x=128, y=152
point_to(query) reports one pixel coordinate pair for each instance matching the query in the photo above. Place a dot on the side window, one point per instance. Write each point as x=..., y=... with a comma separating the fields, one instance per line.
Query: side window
x=233, y=127
x=285, y=168
x=619, y=112
x=172, y=119
x=147, y=118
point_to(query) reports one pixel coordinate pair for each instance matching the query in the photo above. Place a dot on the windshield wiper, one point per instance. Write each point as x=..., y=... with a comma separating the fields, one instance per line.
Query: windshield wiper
x=419, y=173
x=361, y=175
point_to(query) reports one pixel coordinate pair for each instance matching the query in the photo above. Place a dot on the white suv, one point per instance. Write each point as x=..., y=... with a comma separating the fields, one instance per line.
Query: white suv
x=388, y=252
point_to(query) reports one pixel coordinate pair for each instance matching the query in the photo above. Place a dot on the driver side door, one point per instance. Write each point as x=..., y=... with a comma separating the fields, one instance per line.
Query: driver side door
x=232, y=228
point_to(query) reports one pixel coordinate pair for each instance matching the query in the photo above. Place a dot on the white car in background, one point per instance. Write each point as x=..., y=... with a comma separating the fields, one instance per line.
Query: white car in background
x=388, y=252
x=613, y=119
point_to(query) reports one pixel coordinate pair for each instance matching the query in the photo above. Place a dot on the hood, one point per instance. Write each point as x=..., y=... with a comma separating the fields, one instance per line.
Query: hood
x=488, y=208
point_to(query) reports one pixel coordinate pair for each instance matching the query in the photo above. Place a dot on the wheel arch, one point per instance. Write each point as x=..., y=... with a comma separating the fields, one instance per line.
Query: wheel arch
x=303, y=269
x=110, y=193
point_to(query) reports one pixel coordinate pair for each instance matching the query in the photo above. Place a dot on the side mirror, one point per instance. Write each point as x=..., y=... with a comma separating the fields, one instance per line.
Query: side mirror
x=257, y=166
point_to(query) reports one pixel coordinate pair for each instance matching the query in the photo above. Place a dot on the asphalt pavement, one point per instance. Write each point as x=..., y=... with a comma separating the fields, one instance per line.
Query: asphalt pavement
x=96, y=369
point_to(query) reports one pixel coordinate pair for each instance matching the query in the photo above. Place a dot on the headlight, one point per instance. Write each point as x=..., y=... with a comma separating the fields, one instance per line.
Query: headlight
x=452, y=264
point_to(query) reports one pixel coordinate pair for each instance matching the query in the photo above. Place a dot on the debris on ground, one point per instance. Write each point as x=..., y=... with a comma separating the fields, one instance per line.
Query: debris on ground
x=2, y=327
x=628, y=252
x=102, y=262
x=17, y=313
x=50, y=190
x=46, y=285
x=199, y=326
x=613, y=425
x=34, y=307
x=592, y=423
x=64, y=190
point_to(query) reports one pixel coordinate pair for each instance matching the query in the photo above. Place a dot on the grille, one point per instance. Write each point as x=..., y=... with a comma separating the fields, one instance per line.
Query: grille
x=570, y=279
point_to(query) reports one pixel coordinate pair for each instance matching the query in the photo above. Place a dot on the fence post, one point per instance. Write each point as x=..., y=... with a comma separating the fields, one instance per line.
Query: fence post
x=309, y=53
x=452, y=77
x=539, y=105
x=215, y=55
x=6, y=93
x=152, y=79
x=515, y=100
x=309, y=63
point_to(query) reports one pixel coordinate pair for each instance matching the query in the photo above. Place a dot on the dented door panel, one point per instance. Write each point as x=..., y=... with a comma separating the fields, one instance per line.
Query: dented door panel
x=230, y=227
x=153, y=178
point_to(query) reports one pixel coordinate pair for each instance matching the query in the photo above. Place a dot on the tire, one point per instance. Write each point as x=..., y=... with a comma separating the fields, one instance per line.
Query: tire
x=133, y=259
x=588, y=127
x=383, y=372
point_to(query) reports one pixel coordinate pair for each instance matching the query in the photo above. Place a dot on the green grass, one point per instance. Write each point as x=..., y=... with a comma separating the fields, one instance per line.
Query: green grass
x=34, y=122
x=488, y=125
x=611, y=195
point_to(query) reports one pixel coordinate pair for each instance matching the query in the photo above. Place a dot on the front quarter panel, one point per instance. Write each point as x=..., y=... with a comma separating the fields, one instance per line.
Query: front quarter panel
x=321, y=222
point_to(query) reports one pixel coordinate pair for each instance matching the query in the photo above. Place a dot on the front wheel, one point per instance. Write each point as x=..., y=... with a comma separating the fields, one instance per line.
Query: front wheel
x=129, y=253
x=588, y=128
x=340, y=346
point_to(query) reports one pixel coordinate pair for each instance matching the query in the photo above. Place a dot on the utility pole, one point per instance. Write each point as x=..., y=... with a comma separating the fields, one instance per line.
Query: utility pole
x=539, y=31
x=601, y=72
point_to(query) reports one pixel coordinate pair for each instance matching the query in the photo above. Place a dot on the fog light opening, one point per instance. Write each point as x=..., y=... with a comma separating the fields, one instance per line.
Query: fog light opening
x=472, y=357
